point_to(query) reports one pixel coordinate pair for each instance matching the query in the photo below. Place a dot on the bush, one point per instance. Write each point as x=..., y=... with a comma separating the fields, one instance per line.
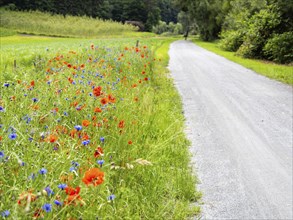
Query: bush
x=261, y=27
x=280, y=48
x=160, y=28
x=168, y=29
x=231, y=40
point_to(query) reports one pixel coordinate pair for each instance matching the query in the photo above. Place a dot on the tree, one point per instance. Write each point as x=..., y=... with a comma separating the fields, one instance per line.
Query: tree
x=168, y=10
x=153, y=14
x=208, y=15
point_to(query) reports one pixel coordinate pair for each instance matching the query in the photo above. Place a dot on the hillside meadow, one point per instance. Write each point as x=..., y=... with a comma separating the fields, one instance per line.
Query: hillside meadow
x=43, y=23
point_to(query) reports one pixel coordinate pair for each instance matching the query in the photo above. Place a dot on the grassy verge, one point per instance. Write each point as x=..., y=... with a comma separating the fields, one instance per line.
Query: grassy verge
x=282, y=73
x=91, y=128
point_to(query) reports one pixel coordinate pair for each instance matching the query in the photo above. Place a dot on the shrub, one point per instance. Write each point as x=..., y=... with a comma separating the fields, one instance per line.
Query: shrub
x=178, y=29
x=160, y=28
x=231, y=40
x=168, y=29
x=280, y=48
x=261, y=27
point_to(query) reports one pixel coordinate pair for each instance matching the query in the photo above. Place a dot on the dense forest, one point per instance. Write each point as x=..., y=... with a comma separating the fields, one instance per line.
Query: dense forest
x=261, y=29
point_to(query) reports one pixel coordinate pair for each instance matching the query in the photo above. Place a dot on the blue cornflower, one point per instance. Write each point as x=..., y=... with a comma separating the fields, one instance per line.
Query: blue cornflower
x=5, y=213
x=85, y=142
x=1, y=126
x=111, y=197
x=47, y=207
x=43, y=171
x=2, y=109
x=102, y=139
x=27, y=119
x=58, y=203
x=78, y=127
x=21, y=163
x=65, y=113
x=1, y=154
x=76, y=164
x=6, y=85
x=100, y=162
x=12, y=136
x=72, y=169
x=35, y=99
x=49, y=191
x=62, y=186
x=32, y=176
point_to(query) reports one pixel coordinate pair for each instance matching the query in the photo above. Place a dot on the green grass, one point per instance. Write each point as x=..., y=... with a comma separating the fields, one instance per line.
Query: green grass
x=282, y=73
x=153, y=121
x=4, y=32
x=39, y=23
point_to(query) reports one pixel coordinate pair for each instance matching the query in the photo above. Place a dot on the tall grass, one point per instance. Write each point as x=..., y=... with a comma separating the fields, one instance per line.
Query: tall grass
x=135, y=137
x=40, y=23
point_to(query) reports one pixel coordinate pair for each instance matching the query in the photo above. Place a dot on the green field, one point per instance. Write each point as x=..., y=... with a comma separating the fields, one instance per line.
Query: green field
x=71, y=105
x=40, y=23
x=282, y=73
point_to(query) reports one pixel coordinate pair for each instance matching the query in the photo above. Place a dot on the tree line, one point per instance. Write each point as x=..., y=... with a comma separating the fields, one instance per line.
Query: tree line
x=148, y=12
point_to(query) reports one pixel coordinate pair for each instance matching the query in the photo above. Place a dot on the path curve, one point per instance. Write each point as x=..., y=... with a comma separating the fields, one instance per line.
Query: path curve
x=240, y=125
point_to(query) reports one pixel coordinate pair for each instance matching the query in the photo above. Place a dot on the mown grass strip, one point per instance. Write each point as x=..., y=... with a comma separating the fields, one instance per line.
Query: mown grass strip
x=282, y=73
x=136, y=140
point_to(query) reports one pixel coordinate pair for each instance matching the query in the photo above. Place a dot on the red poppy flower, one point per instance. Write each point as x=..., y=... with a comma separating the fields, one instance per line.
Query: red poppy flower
x=94, y=118
x=111, y=98
x=98, y=152
x=97, y=91
x=72, y=191
x=73, y=194
x=93, y=176
x=121, y=124
x=85, y=123
x=85, y=137
x=72, y=133
x=38, y=213
x=70, y=80
x=97, y=109
x=52, y=138
x=104, y=101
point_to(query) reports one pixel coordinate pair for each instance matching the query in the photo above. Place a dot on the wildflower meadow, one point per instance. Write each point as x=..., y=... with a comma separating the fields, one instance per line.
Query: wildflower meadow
x=93, y=130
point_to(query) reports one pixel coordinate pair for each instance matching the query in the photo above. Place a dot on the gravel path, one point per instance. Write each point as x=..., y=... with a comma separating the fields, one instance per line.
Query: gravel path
x=240, y=125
